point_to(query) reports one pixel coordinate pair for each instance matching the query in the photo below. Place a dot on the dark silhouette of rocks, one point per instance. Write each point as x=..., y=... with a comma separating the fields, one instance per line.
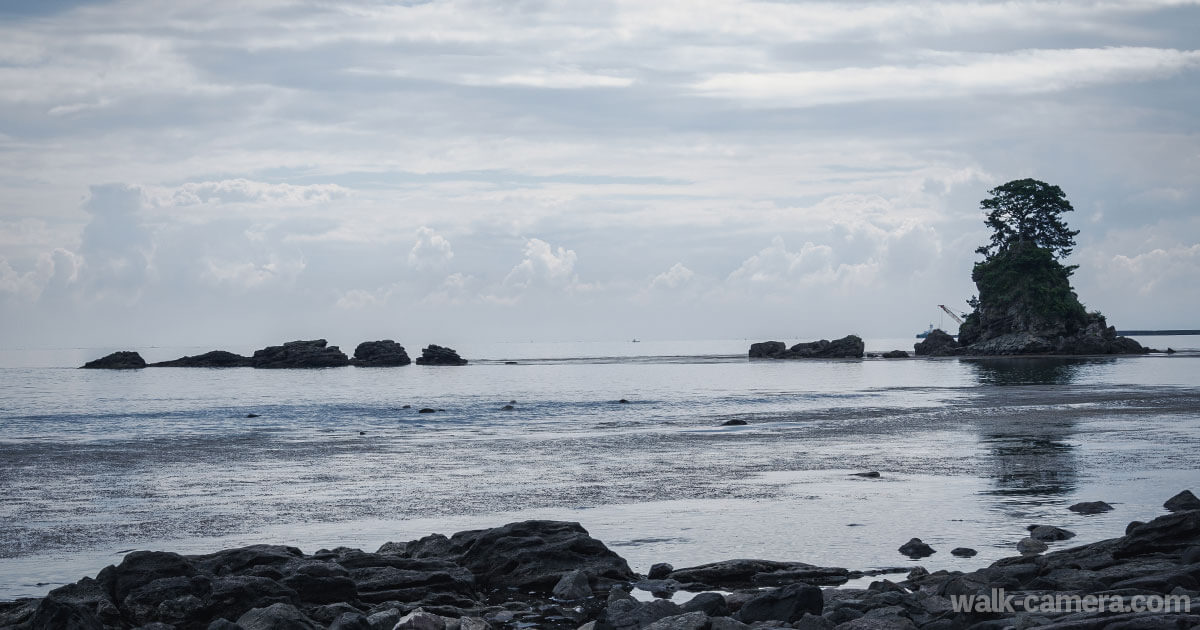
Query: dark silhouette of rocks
x=938, y=343
x=385, y=353
x=123, y=360
x=553, y=575
x=213, y=359
x=850, y=346
x=300, y=354
x=895, y=354
x=438, y=355
x=1091, y=507
x=1183, y=501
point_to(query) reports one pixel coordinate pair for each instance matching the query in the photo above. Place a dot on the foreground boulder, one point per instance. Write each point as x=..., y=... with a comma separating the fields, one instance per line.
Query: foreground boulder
x=530, y=555
x=386, y=353
x=850, y=346
x=124, y=360
x=300, y=354
x=438, y=355
x=214, y=359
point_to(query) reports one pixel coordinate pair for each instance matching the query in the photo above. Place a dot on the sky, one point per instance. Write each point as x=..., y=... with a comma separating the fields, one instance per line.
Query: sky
x=233, y=174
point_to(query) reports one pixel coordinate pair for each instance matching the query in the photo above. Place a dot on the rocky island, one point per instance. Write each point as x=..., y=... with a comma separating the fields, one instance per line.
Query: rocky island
x=848, y=347
x=314, y=353
x=550, y=574
x=1026, y=304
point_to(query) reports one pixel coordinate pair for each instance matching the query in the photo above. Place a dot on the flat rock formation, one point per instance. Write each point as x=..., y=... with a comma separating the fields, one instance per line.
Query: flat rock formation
x=300, y=354
x=437, y=355
x=850, y=346
x=553, y=575
x=385, y=353
x=214, y=359
x=124, y=360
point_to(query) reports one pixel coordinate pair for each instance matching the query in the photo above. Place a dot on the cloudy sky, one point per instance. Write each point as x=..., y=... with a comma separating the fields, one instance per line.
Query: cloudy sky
x=233, y=173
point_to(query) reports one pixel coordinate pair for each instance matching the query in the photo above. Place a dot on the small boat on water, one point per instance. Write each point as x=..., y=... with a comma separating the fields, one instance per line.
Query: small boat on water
x=922, y=335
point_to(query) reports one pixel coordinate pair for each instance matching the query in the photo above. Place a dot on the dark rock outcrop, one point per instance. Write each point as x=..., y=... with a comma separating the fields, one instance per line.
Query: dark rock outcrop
x=1091, y=507
x=1183, y=501
x=385, y=353
x=895, y=354
x=938, y=343
x=915, y=548
x=786, y=604
x=850, y=346
x=300, y=354
x=124, y=360
x=438, y=355
x=213, y=359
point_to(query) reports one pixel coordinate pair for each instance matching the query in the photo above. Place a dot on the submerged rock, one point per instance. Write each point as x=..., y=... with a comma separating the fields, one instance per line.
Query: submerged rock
x=1091, y=507
x=385, y=353
x=736, y=422
x=850, y=346
x=1048, y=533
x=438, y=355
x=213, y=359
x=124, y=360
x=1031, y=545
x=300, y=354
x=895, y=354
x=963, y=552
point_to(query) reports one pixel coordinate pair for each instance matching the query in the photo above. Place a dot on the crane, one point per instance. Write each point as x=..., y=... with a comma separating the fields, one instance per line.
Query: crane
x=951, y=314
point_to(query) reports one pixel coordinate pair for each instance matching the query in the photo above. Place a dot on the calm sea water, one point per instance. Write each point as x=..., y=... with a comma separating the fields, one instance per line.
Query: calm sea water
x=96, y=463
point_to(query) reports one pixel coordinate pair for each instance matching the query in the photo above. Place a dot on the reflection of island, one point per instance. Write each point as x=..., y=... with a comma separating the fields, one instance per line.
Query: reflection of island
x=1031, y=370
x=1035, y=468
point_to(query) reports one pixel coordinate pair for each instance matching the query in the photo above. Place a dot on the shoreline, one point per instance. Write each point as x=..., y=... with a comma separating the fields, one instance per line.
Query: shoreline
x=553, y=574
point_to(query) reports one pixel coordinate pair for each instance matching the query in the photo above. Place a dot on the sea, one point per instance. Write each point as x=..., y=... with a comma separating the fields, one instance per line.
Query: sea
x=970, y=452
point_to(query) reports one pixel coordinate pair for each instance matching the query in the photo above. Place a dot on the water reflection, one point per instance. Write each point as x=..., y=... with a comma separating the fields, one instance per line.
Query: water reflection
x=1034, y=468
x=1033, y=370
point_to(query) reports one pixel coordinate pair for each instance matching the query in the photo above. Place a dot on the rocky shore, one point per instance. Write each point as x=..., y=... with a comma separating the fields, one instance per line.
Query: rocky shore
x=314, y=353
x=549, y=574
x=848, y=347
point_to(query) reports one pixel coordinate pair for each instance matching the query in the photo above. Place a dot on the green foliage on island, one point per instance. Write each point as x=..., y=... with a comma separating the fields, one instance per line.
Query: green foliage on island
x=1023, y=285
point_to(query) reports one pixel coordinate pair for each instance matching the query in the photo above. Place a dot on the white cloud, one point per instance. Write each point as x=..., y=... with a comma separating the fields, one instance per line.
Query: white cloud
x=674, y=278
x=953, y=75
x=543, y=266
x=1159, y=267
x=431, y=251
x=248, y=191
x=356, y=299
x=244, y=275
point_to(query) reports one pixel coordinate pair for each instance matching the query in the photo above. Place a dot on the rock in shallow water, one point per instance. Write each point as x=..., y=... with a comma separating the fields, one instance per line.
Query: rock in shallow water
x=850, y=346
x=438, y=355
x=300, y=354
x=124, y=360
x=1183, y=501
x=1091, y=507
x=385, y=353
x=915, y=548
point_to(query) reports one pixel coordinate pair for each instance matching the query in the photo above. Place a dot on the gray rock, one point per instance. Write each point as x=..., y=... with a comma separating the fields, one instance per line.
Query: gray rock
x=276, y=617
x=1183, y=501
x=420, y=620
x=744, y=573
x=1091, y=507
x=213, y=359
x=438, y=355
x=963, y=552
x=736, y=422
x=1049, y=533
x=938, y=343
x=726, y=623
x=711, y=604
x=224, y=624
x=350, y=621
x=385, y=353
x=915, y=548
x=628, y=614
x=1173, y=532
x=850, y=346
x=891, y=622
x=299, y=354
x=787, y=604
x=662, y=569
x=687, y=621
x=124, y=360
x=895, y=354
x=813, y=622
x=473, y=623
x=1030, y=545
x=384, y=619
x=572, y=587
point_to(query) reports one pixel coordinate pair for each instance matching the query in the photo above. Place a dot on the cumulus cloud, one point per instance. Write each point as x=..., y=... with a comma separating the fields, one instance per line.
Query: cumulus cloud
x=674, y=278
x=431, y=251
x=1148, y=271
x=543, y=266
